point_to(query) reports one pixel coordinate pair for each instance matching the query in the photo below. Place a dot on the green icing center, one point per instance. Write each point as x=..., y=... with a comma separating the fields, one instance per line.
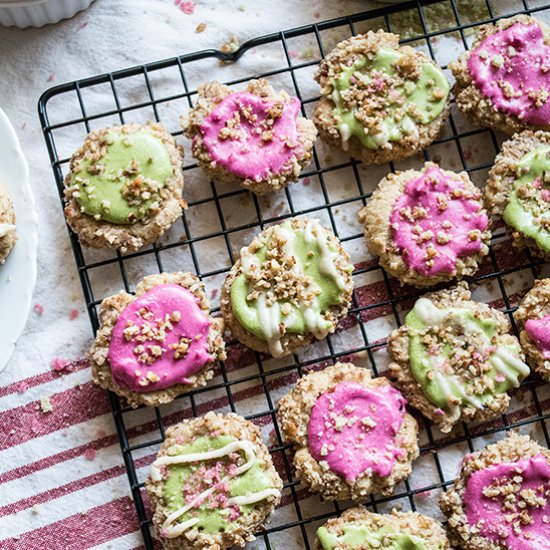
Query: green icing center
x=359, y=535
x=121, y=182
x=528, y=209
x=213, y=518
x=459, y=358
x=293, y=297
x=378, y=102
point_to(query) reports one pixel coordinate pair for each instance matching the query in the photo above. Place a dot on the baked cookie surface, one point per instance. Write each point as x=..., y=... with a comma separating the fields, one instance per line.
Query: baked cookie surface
x=533, y=318
x=159, y=343
x=212, y=485
x=352, y=434
x=501, y=498
x=427, y=226
x=359, y=529
x=380, y=101
x=8, y=230
x=503, y=81
x=124, y=186
x=255, y=138
x=454, y=359
x=518, y=190
x=290, y=286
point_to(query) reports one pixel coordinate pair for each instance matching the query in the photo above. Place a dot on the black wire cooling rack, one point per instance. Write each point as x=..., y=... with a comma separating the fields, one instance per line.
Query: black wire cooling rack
x=220, y=218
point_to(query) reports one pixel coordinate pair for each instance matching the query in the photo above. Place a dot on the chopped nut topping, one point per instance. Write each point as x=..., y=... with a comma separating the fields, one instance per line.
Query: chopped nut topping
x=154, y=329
x=517, y=502
x=277, y=278
x=181, y=348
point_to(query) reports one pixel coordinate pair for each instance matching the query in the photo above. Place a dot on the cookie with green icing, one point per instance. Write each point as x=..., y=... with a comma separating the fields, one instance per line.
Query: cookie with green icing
x=213, y=484
x=454, y=359
x=289, y=286
x=518, y=190
x=359, y=529
x=124, y=186
x=380, y=101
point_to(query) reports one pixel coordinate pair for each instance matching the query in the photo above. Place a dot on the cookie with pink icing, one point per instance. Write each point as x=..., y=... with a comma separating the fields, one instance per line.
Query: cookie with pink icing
x=501, y=499
x=158, y=343
x=352, y=433
x=533, y=319
x=255, y=138
x=503, y=81
x=427, y=226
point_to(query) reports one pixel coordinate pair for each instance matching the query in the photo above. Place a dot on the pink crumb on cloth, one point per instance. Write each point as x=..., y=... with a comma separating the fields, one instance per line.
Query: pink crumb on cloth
x=187, y=7
x=58, y=364
x=89, y=454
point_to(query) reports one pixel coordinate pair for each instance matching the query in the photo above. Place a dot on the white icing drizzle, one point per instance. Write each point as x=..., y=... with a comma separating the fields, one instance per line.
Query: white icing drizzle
x=445, y=385
x=243, y=500
x=502, y=358
x=248, y=259
x=429, y=314
x=345, y=134
x=6, y=229
x=503, y=361
x=270, y=317
x=172, y=529
x=327, y=264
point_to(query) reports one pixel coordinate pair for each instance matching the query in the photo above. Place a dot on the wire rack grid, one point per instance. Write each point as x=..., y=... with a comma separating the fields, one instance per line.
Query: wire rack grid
x=220, y=218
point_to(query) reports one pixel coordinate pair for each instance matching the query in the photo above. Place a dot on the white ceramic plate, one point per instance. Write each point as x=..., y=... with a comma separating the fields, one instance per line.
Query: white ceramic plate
x=18, y=274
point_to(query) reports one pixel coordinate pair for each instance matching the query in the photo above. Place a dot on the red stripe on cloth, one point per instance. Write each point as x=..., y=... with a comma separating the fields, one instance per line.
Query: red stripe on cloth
x=76, y=485
x=92, y=528
x=69, y=408
x=52, y=460
x=42, y=378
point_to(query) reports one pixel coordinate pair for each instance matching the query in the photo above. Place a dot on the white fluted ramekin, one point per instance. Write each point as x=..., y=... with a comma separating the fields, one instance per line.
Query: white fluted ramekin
x=37, y=13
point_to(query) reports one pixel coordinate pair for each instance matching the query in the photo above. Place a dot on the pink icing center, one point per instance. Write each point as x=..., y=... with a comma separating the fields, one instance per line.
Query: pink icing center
x=354, y=429
x=251, y=136
x=159, y=340
x=509, y=503
x=539, y=331
x=511, y=68
x=435, y=222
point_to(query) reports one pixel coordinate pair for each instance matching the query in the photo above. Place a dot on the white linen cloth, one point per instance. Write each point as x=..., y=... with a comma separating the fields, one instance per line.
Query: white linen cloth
x=62, y=479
